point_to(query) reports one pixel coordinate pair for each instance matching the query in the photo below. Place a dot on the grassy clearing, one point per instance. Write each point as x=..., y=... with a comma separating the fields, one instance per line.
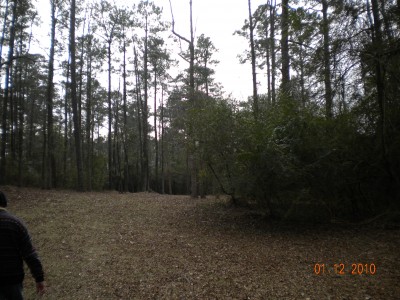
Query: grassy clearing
x=150, y=246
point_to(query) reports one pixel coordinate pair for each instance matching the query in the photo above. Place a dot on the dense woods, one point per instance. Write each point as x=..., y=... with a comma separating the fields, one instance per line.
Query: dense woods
x=325, y=136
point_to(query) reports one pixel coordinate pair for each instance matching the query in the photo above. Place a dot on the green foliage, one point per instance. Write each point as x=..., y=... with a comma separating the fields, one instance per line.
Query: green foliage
x=293, y=162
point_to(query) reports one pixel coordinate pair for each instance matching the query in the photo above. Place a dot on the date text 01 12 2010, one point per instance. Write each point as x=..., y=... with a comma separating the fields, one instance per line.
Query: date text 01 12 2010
x=343, y=269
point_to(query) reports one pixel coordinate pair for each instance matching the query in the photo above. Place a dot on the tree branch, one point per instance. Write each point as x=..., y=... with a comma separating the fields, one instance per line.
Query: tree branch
x=301, y=44
x=17, y=57
x=218, y=179
x=173, y=26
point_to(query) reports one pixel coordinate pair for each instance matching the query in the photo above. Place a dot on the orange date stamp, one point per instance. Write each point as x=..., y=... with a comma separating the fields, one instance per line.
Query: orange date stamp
x=345, y=269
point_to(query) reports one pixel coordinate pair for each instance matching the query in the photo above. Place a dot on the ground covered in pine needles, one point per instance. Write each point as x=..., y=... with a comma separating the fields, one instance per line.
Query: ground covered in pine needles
x=149, y=246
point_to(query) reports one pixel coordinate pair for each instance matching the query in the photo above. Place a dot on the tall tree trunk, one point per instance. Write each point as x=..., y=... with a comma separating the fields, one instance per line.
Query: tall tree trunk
x=139, y=119
x=66, y=108
x=327, y=58
x=170, y=157
x=302, y=80
x=273, y=56
x=89, y=134
x=116, y=146
x=268, y=54
x=81, y=72
x=3, y=34
x=155, y=129
x=192, y=155
x=145, y=114
x=74, y=100
x=253, y=63
x=4, y=105
x=21, y=112
x=13, y=109
x=44, y=151
x=125, y=126
x=49, y=171
x=343, y=95
x=386, y=22
x=285, y=48
x=169, y=178
x=379, y=76
x=19, y=122
x=110, y=166
x=4, y=128
x=13, y=94
x=31, y=129
x=162, y=142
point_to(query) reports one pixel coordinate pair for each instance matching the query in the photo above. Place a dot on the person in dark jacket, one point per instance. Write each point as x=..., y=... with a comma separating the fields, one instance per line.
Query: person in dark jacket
x=16, y=247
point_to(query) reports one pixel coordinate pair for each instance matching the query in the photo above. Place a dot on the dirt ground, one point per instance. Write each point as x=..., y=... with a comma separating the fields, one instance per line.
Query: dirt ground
x=150, y=246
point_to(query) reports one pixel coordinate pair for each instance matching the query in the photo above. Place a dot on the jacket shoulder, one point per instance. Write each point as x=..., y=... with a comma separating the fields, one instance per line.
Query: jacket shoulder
x=6, y=217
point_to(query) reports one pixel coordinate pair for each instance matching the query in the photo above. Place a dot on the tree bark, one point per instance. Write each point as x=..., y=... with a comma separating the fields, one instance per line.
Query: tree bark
x=12, y=95
x=3, y=34
x=285, y=48
x=139, y=119
x=9, y=62
x=66, y=108
x=89, y=134
x=155, y=129
x=302, y=80
x=268, y=54
x=21, y=114
x=192, y=156
x=74, y=100
x=50, y=165
x=253, y=63
x=162, y=142
x=110, y=161
x=273, y=56
x=19, y=123
x=125, y=118
x=81, y=75
x=387, y=22
x=145, y=113
x=327, y=58
x=379, y=77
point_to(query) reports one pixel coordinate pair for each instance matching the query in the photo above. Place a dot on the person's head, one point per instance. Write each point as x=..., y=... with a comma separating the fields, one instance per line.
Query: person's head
x=3, y=199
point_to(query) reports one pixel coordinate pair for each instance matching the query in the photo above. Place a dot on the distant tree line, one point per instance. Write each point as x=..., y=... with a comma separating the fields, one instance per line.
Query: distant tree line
x=325, y=136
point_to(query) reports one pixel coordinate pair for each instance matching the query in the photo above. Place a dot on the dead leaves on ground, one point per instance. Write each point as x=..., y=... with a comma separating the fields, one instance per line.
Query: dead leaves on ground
x=149, y=246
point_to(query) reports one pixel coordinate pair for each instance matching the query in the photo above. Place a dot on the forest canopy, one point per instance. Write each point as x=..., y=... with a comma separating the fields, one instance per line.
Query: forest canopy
x=325, y=136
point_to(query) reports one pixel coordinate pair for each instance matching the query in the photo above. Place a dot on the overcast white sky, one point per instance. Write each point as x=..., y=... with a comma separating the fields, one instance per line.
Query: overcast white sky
x=217, y=19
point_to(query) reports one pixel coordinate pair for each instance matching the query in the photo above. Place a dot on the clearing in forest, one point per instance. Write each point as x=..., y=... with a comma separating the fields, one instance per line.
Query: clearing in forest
x=150, y=246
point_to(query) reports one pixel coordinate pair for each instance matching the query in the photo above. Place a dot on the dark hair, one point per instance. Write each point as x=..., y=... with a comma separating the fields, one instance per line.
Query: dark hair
x=3, y=199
